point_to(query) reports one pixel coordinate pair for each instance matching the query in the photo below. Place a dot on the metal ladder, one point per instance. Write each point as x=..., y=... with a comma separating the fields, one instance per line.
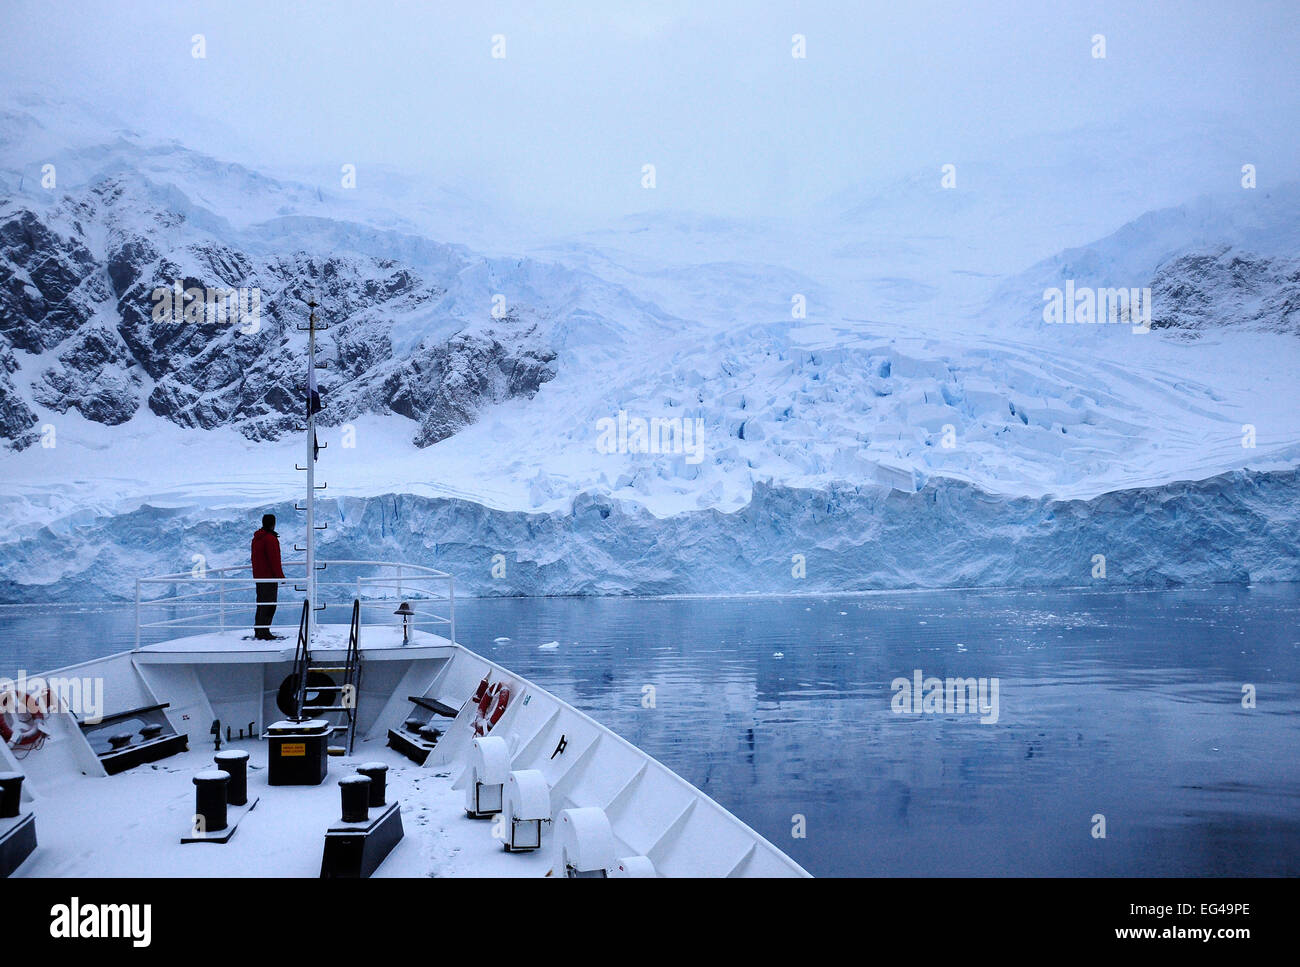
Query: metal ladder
x=346, y=694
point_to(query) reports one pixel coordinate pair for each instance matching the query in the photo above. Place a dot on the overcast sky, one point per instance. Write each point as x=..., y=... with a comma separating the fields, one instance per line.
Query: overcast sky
x=707, y=91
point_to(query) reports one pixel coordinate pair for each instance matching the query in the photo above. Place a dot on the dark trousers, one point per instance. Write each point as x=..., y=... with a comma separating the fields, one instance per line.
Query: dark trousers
x=267, y=592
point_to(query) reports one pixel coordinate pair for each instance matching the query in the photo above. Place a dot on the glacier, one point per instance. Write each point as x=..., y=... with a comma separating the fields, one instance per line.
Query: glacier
x=1237, y=527
x=873, y=382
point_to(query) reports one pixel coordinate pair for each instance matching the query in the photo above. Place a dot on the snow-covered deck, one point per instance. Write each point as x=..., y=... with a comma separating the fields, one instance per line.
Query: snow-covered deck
x=131, y=824
x=377, y=642
x=93, y=823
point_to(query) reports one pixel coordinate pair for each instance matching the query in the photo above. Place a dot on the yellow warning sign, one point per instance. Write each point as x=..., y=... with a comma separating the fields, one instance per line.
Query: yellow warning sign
x=293, y=748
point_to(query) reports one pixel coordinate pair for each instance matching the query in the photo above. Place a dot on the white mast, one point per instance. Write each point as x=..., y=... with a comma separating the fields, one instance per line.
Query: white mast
x=311, y=472
x=309, y=585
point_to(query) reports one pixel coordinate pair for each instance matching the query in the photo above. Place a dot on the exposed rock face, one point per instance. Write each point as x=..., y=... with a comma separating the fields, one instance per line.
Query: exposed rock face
x=47, y=282
x=135, y=305
x=95, y=376
x=16, y=417
x=1227, y=288
x=443, y=387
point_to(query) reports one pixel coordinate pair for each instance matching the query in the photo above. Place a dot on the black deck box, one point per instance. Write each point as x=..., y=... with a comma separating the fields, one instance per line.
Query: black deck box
x=298, y=752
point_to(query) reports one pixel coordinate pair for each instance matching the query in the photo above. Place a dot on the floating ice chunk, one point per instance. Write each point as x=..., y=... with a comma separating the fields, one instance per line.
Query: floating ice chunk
x=778, y=654
x=501, y=639
x=549, y=646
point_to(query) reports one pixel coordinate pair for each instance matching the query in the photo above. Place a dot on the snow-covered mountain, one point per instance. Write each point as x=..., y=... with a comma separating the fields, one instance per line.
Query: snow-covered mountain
x=885, y=355
x=82, y=282
x=1223, y=260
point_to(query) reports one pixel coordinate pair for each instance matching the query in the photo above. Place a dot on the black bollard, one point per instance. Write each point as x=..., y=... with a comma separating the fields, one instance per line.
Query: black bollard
x=430, y=734
x=11, y=794
x=355, y=791
x=234, y=762
x=210, y=800
x=377, y=773
x=119, y=741
x=151, y=732
x=414, y=724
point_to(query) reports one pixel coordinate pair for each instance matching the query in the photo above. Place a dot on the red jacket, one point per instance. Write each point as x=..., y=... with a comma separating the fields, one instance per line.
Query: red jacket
x=266, y=555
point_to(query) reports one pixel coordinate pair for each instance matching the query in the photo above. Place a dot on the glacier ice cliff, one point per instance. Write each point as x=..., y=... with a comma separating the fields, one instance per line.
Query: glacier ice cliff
x=1237, y=527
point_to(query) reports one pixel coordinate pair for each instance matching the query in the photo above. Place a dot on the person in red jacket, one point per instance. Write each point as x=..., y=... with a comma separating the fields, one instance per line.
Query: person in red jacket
x=266, y=564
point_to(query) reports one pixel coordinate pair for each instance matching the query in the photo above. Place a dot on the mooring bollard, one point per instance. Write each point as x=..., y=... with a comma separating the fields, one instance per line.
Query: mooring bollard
x=151, y=732
x=235, y=762
x=377, y=773
x=355, y=791
x=11, y=794
x=210, y=800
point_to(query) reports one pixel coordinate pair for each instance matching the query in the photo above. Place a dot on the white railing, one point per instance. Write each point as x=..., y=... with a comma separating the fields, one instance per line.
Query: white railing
x=224, y=598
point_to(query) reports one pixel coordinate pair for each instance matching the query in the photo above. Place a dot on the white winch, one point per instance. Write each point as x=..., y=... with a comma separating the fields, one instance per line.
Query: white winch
x=527, y=805
x=489, y=768
x=586, y=842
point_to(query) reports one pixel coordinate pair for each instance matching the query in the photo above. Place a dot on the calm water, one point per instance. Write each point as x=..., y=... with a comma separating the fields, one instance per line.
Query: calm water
x=1123, y=705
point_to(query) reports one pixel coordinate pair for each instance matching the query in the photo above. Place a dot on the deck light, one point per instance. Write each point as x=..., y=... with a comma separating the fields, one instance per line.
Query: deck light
x=405, y=610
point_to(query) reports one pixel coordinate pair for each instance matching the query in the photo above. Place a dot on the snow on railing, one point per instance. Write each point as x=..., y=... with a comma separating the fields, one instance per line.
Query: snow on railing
x=217, y=595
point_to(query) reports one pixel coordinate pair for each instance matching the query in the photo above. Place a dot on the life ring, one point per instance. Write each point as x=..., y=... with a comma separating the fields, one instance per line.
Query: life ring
x=23, y=729
x=485, y=700
x=483, y=721
x=286, y=699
